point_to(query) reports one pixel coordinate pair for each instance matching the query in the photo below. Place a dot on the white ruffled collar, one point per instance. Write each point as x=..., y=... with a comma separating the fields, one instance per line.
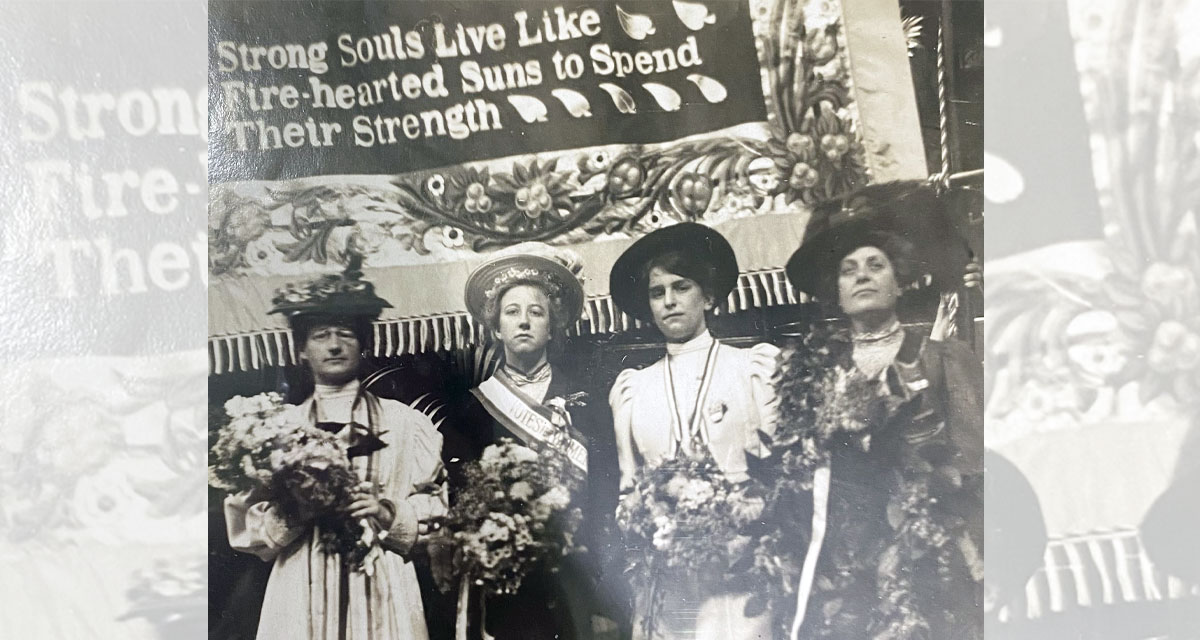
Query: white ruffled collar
x=699, y=343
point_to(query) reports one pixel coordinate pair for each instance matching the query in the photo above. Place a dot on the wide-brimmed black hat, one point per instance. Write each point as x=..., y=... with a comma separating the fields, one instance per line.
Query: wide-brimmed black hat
x=627, y=283
x=912, y=210
x=343, y=294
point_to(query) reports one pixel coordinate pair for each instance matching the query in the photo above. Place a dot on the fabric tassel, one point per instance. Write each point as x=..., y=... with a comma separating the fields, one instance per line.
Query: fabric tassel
x=257, y=351
x=289, y=356
x=780, y=287
x=1083, y=592
x=755, y=293
x=591, y=316
x=792, y=298
x=1054, y=587
x=763, y=282
x=1124, y=575
x=1148, y=585
x=218, y=356
x=1107, y=586
x=280, y=349
x=243, y=358
x=1033, y=600
x=230, y=345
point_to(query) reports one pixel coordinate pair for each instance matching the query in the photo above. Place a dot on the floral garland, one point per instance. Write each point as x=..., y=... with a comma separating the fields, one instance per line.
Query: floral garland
x=825, y=403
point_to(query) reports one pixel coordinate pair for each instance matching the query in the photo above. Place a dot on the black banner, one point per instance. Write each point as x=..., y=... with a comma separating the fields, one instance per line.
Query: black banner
x=298, y=89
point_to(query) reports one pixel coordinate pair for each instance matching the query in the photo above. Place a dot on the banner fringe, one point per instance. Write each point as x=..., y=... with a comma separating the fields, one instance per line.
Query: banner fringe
x=275, y=347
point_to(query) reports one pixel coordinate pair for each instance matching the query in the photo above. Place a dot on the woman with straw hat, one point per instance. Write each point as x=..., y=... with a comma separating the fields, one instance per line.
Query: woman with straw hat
x=703, y=398
x=395, y=451
x=527, y=297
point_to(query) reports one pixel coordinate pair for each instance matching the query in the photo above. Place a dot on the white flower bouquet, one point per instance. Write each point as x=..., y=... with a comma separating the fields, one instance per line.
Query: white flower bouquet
x=265, y=446
x=514, y=512
x=684, y=519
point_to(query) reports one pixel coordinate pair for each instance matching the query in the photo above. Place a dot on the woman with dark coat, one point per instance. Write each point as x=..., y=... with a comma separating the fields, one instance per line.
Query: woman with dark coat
x=901, y=553
x=527, y=297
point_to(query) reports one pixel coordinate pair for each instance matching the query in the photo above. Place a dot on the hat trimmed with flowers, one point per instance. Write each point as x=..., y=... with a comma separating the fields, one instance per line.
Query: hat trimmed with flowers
x=341, y=294
x=555, y=270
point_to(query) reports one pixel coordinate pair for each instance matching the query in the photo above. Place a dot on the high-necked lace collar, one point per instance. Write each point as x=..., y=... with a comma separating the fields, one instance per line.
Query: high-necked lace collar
x=337, y=391
x=699, y=343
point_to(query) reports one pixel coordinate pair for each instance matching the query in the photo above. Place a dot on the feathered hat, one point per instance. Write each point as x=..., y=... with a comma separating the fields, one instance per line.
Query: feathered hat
x=342, y=294
x=910, y=209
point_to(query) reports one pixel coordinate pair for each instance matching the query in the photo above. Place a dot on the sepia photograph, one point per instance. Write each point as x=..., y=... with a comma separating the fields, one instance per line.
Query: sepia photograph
x=651, y=320
x=601, y=319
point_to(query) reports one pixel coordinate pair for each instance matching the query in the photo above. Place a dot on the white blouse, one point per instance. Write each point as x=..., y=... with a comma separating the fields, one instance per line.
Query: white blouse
x=740, y=403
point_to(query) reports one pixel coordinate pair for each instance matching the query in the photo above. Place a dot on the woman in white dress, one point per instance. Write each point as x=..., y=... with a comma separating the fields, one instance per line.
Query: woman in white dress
x=396, y=452
x=702, y=394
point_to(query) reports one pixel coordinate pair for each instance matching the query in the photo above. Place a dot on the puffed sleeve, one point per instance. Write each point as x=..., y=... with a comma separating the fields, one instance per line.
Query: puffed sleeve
x=256, y=526
x=763, y=365
x=424, y=497
x=620, y=399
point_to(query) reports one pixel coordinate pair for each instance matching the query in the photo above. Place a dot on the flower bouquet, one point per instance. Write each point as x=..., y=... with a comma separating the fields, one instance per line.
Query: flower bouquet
x=306, y=471
x=513, y=513
x=684, y=520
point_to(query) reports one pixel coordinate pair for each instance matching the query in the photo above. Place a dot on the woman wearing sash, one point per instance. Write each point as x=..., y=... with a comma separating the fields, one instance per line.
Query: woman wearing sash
x=889, y=567
x=526, y=297
x=396, y=452
x=703, y=395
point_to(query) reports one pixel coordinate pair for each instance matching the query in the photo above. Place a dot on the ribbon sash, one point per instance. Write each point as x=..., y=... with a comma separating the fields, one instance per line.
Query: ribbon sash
x=808, y=572
x=528, y=422
x=696, y=426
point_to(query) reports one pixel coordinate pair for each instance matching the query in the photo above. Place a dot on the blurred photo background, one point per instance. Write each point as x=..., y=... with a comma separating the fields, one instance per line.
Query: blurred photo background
x=102, y=258
x=1092, y=349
